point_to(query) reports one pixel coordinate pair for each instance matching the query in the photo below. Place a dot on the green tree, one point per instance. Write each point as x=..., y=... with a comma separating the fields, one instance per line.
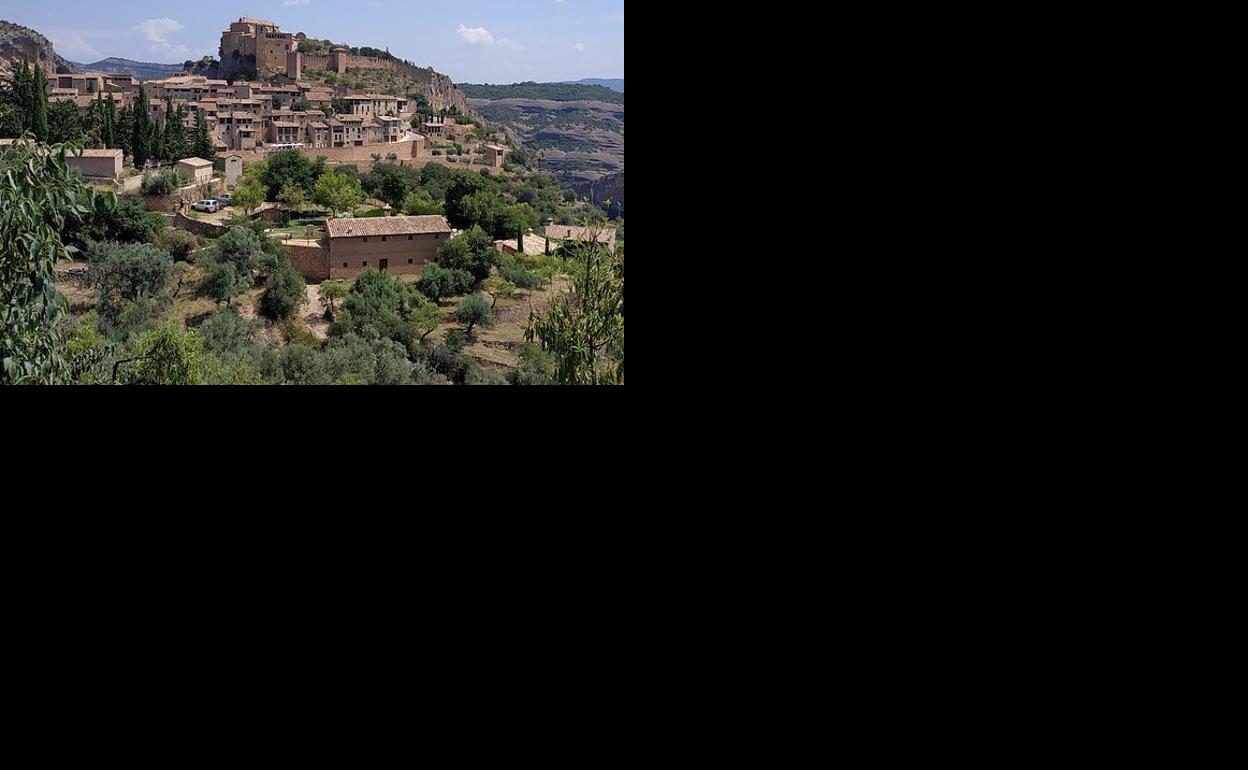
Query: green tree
x=337, y=192
x=223, y=282
x=128, y=221
x=202, y=146
x=584, y=328
x=498, y=287
x=332, y=291
x=141, y=134
x=128, y=271
x=110, y=123
x=472, y=251
x=291, y=167
x=64, y=123
x=248, y=196
x=176, y=145
x=284, y=294
x=39, y=201
x=164, y=356
x=39, y=105
x=420, y=203
x=472, y=311
x=292, y=197
x=438, y=283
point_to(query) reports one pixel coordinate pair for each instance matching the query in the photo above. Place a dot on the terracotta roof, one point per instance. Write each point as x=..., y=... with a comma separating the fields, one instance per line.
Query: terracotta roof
x=284, y=124
x=319, y=125
x=533, y=244
x=195, y=162
x=497, y=147
x=571, y=233
x=374, y=226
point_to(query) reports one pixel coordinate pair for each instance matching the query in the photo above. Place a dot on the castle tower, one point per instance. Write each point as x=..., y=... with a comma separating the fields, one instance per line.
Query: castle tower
x=338, y=60
x=294, y=65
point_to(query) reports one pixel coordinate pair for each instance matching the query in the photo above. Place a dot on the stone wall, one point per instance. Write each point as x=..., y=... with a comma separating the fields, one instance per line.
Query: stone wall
x=310, y=258
x=167, y=203
x=197, y=226
x=341, y=155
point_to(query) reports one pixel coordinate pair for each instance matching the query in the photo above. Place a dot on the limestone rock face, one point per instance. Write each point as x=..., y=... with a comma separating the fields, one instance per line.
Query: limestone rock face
x=17, y=41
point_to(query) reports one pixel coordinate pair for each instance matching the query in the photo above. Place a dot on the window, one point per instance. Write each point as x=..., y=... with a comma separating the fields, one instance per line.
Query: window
x=344, y=264
x=411, y=261
x=409, y=237
x=383, y=239
x=366, y=263
x=366, y=240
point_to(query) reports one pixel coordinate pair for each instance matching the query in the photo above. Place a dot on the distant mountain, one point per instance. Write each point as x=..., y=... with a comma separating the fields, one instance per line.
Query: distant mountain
x=139, y=69
x=616, y=84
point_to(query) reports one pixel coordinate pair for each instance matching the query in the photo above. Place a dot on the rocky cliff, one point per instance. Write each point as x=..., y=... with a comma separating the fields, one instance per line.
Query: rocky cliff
x=17, y=42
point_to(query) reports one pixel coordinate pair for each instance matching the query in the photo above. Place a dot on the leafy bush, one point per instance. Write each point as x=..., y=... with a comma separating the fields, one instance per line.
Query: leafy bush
x=474, y=310
x=164, y=183
x=179, y=244
x=438, y=283
x=125, y=272
x=456, y=340
x=284, y=294
x=520, y=276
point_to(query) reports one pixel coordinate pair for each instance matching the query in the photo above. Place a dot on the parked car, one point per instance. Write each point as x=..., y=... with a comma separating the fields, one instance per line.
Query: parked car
x=209, y=205
x=223, y=199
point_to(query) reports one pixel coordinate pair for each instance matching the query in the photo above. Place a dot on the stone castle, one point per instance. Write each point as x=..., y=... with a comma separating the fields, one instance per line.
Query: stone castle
x=262, y=44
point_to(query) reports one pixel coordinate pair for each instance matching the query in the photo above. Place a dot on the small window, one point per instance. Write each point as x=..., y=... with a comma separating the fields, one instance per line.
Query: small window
x=383, y=239
x=365, y=263
x=366, y=240
x=344, y=264
x=410, y=237
x=411, y=261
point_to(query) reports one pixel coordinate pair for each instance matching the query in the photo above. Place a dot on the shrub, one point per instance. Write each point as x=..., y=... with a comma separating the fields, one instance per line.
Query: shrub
x=521, y=277
x=164, y=183
x=456, y=340
x=438, y=283
x=284, y=294
x=437, y=153
x=474, y=310
x=179, y=244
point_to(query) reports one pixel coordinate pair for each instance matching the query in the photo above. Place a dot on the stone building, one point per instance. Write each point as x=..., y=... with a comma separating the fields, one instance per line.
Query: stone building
x=97, y=164
x=256, y=42
x=397, y=245
x=494, y=155
x=197, y=170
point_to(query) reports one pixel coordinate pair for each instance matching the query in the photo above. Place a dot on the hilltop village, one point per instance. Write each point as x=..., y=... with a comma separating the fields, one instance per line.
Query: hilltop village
x=301, y=214
x=253, y=118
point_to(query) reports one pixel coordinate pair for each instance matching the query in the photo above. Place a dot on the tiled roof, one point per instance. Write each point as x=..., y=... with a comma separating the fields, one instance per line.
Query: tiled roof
x=572, y=233
x=375, y=226
x=195, y=162
x=99, y=153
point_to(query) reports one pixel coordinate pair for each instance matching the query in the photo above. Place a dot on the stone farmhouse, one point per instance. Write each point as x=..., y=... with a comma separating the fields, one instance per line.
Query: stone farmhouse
x=398, y=245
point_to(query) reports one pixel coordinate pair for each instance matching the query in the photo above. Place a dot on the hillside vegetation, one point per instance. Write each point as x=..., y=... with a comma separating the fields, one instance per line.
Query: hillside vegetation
x=554, y=92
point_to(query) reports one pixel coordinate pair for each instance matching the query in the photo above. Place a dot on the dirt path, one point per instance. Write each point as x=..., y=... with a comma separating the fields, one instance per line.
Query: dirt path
x=313, y=313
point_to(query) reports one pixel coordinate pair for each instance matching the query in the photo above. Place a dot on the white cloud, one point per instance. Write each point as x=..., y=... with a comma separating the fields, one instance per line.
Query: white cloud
x=293, y=3
x=156, y=32
x=475, y=35
x=578, y=47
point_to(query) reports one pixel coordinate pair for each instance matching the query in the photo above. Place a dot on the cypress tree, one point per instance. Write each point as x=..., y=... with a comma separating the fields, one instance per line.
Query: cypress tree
x=39, y=104
x=110, y=122
x=140, y=140
x=21, y=95
x=123, y=132
x=202, y=147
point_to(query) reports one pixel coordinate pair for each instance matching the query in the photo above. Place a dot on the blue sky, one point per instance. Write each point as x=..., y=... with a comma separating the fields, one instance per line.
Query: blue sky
x=473, y=41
